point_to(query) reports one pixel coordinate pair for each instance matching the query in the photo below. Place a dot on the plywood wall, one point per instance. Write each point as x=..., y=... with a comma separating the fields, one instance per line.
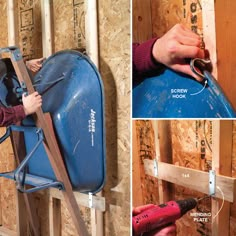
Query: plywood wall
x=69, y=33
x=3, y=20
x=7, y=187
x=153, y=18
x=29, y=34
x=144, y=143
x=114, y=37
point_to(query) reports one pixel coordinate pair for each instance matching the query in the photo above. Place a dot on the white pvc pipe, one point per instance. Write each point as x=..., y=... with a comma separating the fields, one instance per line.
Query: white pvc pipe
x=91, y=30
x=46, y=27
x=11, y=23
x=91, y=36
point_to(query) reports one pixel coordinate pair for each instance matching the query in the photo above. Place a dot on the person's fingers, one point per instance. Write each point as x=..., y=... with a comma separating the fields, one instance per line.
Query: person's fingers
x=189, y=32
x=185, y=68
x=41, y=59
x=35, y=93
x=189, y=41
x=185, y=31
x=185, y=51
x=140, y=209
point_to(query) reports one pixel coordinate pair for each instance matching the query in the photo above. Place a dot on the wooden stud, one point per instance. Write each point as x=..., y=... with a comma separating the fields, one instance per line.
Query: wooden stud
x=222, y=164
x=164, y=135
x=209, y=31
x=142, y=22
x=136, y=174
x=54, y=216
x=46, y=27
x=225, y=19
x=11, y=23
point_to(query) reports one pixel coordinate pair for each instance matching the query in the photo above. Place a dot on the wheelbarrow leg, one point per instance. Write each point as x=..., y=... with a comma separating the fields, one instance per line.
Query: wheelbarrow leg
x=19, y=152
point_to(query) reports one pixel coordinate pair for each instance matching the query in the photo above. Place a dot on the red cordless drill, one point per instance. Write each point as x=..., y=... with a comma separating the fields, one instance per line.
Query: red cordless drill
x=161, y=215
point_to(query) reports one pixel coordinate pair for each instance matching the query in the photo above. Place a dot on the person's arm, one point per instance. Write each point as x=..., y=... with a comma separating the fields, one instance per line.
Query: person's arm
x=11, y=115
x=15, y=114
x=171, y=50
x=143, y=60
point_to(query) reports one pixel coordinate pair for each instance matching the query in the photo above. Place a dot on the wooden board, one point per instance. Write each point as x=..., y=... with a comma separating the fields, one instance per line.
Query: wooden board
x=222, y=164
x=142, y=20
x=137, y=199
x=190, y=178
x=225, y=18
x=162, y=131
x=114, y=57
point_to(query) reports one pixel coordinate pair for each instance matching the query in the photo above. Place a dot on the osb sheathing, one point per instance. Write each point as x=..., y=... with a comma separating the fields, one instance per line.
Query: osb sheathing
x=114, y=44
x=3, y=20
x=7, y=187
x=68, y=21
x=29, y=34
x=192, y=148
x=165, y=14
x=146, y=150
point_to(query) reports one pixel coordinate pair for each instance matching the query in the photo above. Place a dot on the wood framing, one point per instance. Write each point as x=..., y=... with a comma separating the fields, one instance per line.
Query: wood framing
x=222, y=164
x=225, y=22
x=162, y=133
x=47, y=24
x=82, y=199
x=142, y=22
x=136, y=175
x=54, y=216
x=177, y=175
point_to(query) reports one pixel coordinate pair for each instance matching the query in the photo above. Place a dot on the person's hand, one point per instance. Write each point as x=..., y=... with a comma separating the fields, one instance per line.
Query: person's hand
x=177, y=45
x=169, y=230
x=31, y=103
x=35, y=64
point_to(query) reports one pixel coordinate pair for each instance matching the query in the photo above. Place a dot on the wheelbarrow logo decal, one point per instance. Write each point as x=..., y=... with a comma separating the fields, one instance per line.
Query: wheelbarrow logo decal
x=92, y=125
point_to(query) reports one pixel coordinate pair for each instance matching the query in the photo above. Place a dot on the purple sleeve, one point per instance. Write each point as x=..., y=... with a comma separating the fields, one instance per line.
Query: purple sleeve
x=143, y=61
x=11, y=115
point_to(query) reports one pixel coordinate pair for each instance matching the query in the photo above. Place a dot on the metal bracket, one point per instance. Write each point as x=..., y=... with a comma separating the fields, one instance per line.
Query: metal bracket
x=14, y=50
x=16, y=54
x=90, y=200
x=155, y=166
x=212, y=182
